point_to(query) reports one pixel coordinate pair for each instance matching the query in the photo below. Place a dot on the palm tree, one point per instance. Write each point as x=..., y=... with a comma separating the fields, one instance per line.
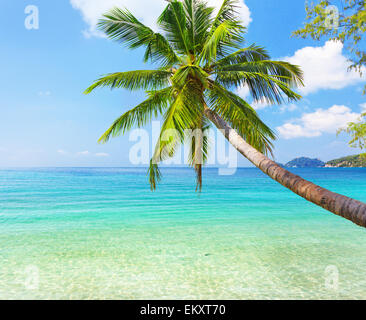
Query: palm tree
x=200, y=58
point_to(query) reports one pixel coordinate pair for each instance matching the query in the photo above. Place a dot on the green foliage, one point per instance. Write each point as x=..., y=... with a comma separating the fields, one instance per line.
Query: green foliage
x=350, y=161
x=198, y=17
x=357, y=130
x=199, y=149
x=154, y=175
x=184, y=113
x=156, y=103
x=121, y=25
x=349, y=27
x=266, y=80
x=242, y=117
x=251, y=54
x=200, y=59
x=304, y=162
x=133, y=80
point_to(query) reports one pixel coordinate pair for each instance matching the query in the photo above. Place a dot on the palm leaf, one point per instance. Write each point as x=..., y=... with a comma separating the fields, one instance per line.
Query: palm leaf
x=198, y=17
x=250, y=54
x=141, y=114
x=227, y=12
x=225, y=37
x=173, y=22
x=133, y=80
x=284, y=71
x=242, y=117
x=198, y=150
x=188, y=72
x=154, y=175
x=263, y=87
x=123, y=26
x=184, y=113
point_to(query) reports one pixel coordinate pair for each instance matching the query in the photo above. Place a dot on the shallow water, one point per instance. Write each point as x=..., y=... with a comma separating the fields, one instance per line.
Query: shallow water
x=100, y=233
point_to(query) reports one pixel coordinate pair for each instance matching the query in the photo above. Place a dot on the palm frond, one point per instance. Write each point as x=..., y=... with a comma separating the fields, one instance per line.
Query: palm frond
x=226, y=37
x=154, y=175
x=173, y=22
x=242, y=117
x=133, y=80
x=159, y=51
x=189, y=72
x=184, y=113
x=198, y=150
x=227, y=12
x=123, y=26
x=251, y=54
x=284, y=71
x=198, y=17
x=263, y=87
x=172, y=134
x=140, y=115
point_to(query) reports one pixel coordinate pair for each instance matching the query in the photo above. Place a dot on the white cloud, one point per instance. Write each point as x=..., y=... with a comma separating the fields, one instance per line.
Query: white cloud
x=83, y=153
x=44, y=93
x=290, y=131
x=102, y=154
x=243, y=10
x=290, y=107
x=363, y=107
x=316, y=123
x=147, y=10
x=324, y=68
x=92, y=11
x=258, y=105
x=244, y=93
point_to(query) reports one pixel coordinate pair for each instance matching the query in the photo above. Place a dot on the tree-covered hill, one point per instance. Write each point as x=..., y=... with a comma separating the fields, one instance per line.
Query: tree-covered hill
x=350, y=161
x=304, y=162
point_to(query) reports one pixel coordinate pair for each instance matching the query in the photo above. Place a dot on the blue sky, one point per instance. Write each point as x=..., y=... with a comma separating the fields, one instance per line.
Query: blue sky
x=45, y=120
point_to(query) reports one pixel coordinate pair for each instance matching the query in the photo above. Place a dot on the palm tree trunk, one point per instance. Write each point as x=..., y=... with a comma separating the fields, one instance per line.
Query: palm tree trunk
x=343, y=206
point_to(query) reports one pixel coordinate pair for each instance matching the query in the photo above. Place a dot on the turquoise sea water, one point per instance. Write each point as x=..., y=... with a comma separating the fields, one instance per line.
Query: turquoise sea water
x=101, y=234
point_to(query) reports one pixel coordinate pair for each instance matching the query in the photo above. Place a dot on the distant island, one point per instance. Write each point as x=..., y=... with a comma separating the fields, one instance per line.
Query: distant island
x=356, y=161
x=304, y=162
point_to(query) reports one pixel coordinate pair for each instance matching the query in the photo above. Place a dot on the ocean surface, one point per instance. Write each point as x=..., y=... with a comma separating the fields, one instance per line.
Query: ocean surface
x=94, y=233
